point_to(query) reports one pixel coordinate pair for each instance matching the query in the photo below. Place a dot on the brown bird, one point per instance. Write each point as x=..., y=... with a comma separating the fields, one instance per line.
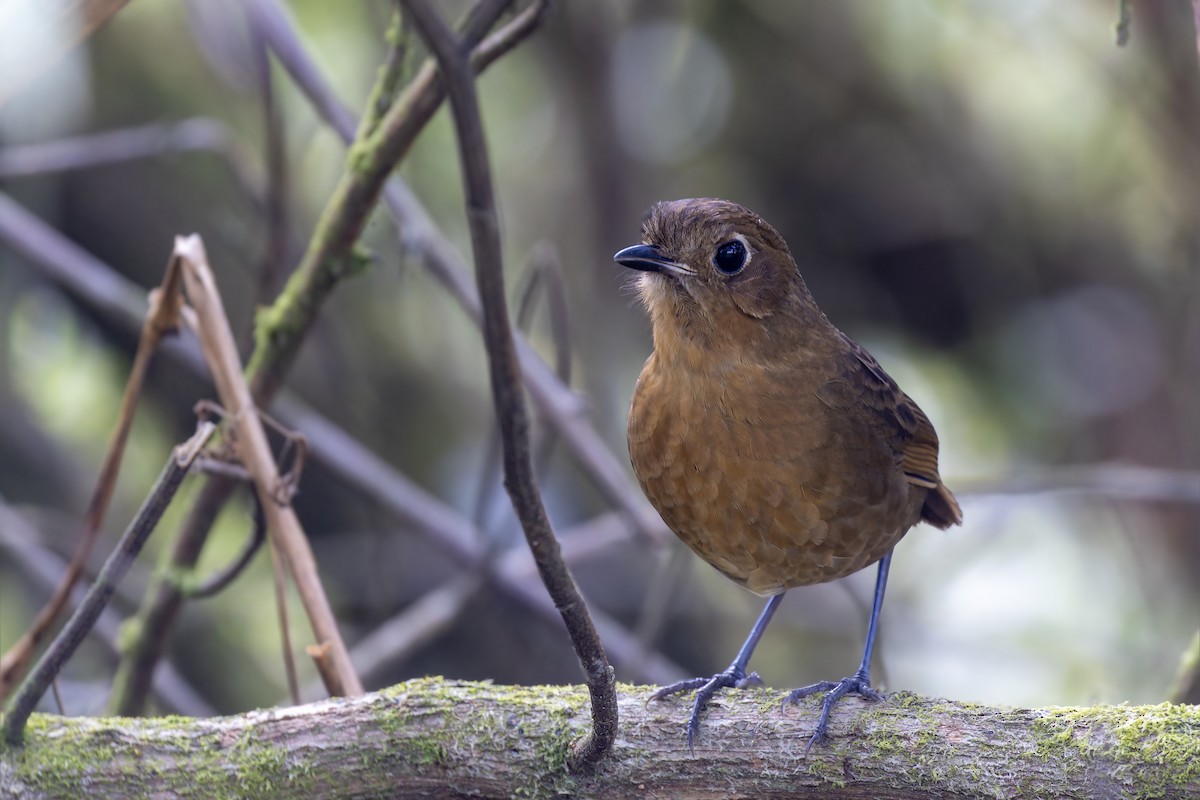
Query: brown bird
x=770, y=442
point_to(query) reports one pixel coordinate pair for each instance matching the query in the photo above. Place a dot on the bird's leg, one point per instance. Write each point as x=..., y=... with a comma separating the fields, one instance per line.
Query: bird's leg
x=860, y=682
x=734, y=676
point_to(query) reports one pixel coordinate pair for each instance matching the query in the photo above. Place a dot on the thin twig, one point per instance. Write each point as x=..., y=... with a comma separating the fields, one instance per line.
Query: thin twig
x=271, y=270
x=387, y=81
x=44, y=567
x=331, y=255
x=216, y=340
x=162, y=318
x=198, y=134
x=453, y=58
x=330, y=258
x=99, y=287
x=215, y=583
x=559, y=406
x=127, y=549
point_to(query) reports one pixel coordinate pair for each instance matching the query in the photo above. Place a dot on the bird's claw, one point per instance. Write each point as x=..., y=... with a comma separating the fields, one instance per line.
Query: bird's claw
x=732, y=678
x=858, y=683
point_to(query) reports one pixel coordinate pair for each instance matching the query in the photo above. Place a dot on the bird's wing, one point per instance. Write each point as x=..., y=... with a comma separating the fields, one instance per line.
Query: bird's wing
x=915, y=439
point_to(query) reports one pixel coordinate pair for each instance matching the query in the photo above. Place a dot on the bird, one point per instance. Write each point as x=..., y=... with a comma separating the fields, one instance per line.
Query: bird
x=771, y=443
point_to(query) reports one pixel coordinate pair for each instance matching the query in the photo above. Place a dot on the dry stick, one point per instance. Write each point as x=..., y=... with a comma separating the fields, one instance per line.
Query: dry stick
x=99, y=287
x=45, y=567
x=507, y=392
x=162, y=318
x=220, y=351
x=279, y=580
x=130, y=544
x=331, y=256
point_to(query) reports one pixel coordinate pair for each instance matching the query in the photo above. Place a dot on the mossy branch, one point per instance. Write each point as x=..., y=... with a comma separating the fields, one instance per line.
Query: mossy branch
x=439, y=738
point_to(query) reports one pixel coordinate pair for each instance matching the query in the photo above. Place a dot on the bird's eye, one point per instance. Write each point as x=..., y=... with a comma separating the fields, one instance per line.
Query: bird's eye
x=730, y=257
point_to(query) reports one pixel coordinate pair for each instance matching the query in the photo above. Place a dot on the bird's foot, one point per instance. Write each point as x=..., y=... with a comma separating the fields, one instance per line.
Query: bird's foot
x=858, y=683
x=734, y=677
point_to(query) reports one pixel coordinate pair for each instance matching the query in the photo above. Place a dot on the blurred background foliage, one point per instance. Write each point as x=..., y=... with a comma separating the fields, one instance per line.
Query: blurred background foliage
x=994, y=198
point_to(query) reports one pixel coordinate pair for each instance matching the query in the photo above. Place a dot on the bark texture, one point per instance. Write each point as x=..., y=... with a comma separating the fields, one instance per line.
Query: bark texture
x=438, y=738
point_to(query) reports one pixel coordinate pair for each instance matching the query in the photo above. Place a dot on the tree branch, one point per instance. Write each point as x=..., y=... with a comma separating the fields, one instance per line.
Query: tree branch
x=454, y=61
x=287, y=535
x=434, y=738
x=115, y=567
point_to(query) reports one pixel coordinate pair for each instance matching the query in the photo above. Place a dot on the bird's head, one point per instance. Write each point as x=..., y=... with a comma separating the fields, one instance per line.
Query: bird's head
x=715, y=272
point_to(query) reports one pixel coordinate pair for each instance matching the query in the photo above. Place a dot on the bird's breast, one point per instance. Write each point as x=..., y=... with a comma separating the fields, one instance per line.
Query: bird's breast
x=762, y=479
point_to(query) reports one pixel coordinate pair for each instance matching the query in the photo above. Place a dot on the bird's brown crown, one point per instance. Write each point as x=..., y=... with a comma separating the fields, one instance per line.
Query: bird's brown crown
x=714, y=271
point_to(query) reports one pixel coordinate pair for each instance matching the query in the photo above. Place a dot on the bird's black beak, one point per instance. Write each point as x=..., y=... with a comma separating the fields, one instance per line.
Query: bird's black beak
x=649, y=258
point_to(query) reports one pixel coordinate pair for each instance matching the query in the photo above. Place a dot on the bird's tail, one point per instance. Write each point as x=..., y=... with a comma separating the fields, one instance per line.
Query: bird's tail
x=941, y=508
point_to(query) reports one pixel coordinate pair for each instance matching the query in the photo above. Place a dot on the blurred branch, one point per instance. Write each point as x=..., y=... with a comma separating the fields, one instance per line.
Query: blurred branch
x=1117, y=481
x=280, y=329
x=84, y=618
x=199, y=134
x=557, y=403
x=275, y=196
x=45, y=567
x=442, y=739
x=332, y=255
x=1124, y=22
x=101, y=288
x=254, y=451
x=162, y=318
x=542, y=277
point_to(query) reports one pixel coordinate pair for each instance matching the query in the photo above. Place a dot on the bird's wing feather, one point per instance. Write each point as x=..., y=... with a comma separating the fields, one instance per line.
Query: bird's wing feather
x=917, y=442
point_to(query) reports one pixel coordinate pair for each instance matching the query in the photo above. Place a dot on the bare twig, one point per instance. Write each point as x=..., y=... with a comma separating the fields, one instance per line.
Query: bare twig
x=453, y=58
x=387, y=82
x=558, y=405
x=331, y=254
x=127, y=549
x=328, y=675
x=162, y=318
x=216, y=341
x=330, y=257
x=199, y=134
x=215, y=583
x=271, y=271
x=113, y=296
